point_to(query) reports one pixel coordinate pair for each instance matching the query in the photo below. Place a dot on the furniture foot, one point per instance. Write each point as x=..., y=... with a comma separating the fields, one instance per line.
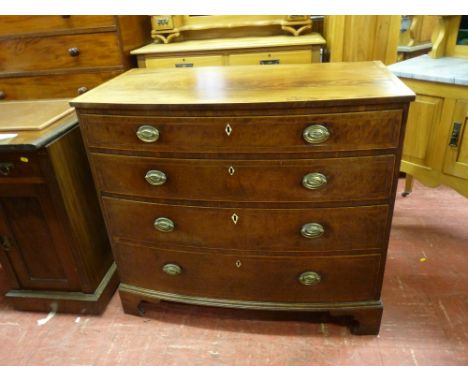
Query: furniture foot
x=367, y=321
x=408, y=185
x=131, y=303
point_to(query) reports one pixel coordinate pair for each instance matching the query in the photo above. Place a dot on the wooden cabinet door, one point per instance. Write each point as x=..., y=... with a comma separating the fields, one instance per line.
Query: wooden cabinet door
x=33, y=242
x=421, y=134
x=456, y=154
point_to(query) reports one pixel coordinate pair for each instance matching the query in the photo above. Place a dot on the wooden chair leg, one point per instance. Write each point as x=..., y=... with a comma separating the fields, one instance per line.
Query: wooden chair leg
x=408, y=185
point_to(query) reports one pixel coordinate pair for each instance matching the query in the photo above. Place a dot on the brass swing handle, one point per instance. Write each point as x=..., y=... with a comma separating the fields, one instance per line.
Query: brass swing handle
x=455, y=134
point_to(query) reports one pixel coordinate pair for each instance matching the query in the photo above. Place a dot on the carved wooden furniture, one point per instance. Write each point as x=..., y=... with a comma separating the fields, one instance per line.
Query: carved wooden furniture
x=63, y=56
x=53, y=245
x=362, y=37
x=170, y=28
x=415, y=36
x=259, y=187
x=435, y=150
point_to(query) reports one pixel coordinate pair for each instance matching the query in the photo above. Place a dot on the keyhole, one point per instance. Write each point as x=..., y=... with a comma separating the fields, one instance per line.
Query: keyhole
x=228, y=129
x=238, y=264
x=231, y=170
x=235, y=218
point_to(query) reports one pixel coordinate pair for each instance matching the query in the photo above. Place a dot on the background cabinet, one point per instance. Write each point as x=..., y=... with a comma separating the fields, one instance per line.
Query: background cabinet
x=63, y=56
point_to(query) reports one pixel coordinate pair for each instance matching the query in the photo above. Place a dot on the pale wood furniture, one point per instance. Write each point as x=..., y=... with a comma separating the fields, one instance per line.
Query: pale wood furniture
x=436, y=146
x=362, y=38
x=268, y=50
x=256, y=187
x=170, y=28
x=63, y=56
x=415, y=36
x=53, y=245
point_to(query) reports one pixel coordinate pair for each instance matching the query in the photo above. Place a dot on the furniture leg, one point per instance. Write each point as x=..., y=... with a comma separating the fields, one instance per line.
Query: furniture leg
x=408, y=185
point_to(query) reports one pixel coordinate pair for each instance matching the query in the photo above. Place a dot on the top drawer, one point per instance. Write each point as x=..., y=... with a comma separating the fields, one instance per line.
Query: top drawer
x=40, y=24
x=265, y=134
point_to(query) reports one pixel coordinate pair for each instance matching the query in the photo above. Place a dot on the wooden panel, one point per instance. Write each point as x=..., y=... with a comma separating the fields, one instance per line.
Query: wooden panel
x=254, y=278
x=43, y=24
x=268, y=58
x=73, y=176
x=348, y=179
x=48, y=53
x=52, y=85
x=456, y=156
x=183, y=62
x=423, y=121
x=281, y=134
x=259, y=229
x=39, y=254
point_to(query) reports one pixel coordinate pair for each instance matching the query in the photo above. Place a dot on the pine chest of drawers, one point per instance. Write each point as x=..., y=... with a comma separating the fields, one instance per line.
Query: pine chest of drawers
x=256, y=187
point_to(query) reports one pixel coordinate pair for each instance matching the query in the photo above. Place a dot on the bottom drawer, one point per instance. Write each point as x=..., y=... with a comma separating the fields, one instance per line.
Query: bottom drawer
x=250, y=278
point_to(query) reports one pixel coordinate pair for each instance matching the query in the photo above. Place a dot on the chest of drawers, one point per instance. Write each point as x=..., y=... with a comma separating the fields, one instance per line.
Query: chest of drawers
x=255, y=187
x=63, y=56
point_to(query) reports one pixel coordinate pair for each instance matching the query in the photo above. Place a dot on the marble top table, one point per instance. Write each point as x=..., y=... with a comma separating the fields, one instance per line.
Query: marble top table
x=450, y=70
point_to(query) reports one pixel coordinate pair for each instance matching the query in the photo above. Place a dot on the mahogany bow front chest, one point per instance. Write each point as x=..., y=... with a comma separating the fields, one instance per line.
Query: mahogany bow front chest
x=259, y=187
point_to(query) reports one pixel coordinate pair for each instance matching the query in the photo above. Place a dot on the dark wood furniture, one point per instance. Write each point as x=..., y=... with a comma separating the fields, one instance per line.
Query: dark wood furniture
x=53, y=244
x=259, y=187
x=63, y=56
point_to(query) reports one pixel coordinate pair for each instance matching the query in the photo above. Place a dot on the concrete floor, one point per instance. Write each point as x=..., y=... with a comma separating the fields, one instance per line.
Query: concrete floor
x=425, y=320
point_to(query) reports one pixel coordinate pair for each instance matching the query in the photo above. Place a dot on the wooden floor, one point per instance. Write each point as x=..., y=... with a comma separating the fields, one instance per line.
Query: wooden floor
x=425, y=320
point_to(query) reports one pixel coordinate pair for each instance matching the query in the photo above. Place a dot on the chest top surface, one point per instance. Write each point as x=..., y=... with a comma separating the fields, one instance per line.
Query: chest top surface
x=286, y=85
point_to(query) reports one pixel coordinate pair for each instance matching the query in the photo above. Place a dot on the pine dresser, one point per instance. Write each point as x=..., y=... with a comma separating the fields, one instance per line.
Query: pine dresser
x=254, y=187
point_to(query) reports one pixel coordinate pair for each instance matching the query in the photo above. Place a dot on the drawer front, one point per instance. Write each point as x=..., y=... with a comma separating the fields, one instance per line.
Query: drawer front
x=281, y=134
x=59, y=52
x=40, y=24
x=248, y=228
x=254, y=278
x=20, y=167
x=183, y=62
x=272, y=58
x=316, y=180
x=52, y=86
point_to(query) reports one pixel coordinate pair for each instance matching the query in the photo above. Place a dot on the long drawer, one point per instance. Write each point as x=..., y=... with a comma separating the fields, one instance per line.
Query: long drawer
x=255, y=278
x=312, y=229
x=20, y=167
x=43, y=24
x=307, y=180
x=59, y=52
x=52, y=86
x=303, y=56
x=183, y=62
x=265, y=134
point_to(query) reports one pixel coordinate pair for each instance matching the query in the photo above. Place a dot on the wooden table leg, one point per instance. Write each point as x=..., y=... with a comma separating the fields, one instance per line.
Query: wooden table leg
x=408, y=185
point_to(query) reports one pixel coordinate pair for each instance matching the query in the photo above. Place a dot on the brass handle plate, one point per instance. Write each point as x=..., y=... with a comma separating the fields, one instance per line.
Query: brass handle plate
x=164, y=224
x=312, y=230
x=309, y=278
x=6, y=167
x=155, y=177
x=172, y=269
x=455, y=134
x=269, y=62
x=147, y=133
x=316, y=134
x=314, y=180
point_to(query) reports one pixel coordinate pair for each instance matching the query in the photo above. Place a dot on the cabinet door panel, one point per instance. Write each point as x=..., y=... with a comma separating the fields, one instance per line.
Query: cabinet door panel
x=423, y=119
x=456, y=155
x=35, y=243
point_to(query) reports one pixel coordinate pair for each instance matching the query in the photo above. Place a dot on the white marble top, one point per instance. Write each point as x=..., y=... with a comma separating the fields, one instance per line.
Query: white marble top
x=450, y=70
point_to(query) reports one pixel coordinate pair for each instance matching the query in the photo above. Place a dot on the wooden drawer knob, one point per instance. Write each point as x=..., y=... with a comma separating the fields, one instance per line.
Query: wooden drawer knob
x=147, y=133
x=315, y=134
x=309, y=278
x=5, y=168
x=172, y=269
x=164, y=224
x=155, y=177
x=74, y=52
x=82, y=89
x=314, y=180
x=312, y=230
